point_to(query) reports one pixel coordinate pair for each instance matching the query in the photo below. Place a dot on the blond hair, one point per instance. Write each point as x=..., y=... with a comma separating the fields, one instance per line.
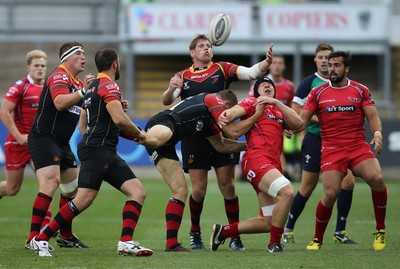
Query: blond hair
x=33, y=54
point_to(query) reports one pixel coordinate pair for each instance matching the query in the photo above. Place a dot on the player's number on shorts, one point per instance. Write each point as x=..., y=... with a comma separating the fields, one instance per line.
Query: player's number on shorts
x=251, y=175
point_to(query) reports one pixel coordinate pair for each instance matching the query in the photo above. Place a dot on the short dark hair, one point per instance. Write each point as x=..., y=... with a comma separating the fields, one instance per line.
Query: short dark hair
x=228, y=95
x=196, y=39
x=346, y=55
x=324, y=46
x=104, y=59
x=66, y=46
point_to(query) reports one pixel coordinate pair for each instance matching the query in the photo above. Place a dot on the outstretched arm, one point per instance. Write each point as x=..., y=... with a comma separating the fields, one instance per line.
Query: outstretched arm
x=257, y=70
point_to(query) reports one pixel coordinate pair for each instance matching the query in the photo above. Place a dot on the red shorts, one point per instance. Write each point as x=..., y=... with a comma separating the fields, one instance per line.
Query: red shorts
x=255, y=167
x=17, y=156
x=341, y=158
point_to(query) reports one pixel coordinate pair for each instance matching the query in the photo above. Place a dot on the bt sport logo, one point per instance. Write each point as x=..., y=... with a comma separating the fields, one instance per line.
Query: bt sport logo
x=340, y=109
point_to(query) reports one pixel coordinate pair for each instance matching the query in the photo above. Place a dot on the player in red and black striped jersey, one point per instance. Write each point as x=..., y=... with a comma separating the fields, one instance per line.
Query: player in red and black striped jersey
x=194, y=115
x=48, y=140
x=198, y=155
x=17, y=112
x=101, y=121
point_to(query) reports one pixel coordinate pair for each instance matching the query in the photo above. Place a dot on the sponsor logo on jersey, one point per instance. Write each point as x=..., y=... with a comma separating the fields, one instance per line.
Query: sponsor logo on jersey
x=340, y=109
x=354, y=99
x=199, y=76
x=273, y=117
x=75, y=110
x=327, y=101
x=34, y=105
x=215, y=78
x=186, y=86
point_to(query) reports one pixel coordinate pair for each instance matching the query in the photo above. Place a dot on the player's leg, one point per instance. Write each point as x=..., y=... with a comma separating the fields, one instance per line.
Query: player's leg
x=331, y=180
x=122, y=178
x=172, y=173
x=226, y=183
x=343, y=208
x=370, y=171
x=311, y=154
x=279, y=187
x=199, y=180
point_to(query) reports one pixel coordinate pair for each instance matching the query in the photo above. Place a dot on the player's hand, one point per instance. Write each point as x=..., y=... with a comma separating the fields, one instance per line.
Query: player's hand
x=288, y=133
x=377, y=142
x=88, y=80
x=175, y=82
x=22, y=140
x=125, y=105
x=223, y=119
x=140, y=137
x=269, y=54
x=266, y=100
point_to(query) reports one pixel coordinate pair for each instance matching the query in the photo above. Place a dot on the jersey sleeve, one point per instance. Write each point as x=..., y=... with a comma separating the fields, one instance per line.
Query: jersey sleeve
x=367, y=99
x=302, y=91
x=215, y=106
x=14, y=93
x=229, y=69
x=311, y=103
x=248, y=105
x=58, y=83
x=109, y=91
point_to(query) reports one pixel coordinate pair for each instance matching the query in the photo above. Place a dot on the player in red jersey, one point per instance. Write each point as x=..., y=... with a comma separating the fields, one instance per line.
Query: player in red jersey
x=101, y=121
x=261, y=164
x=197, y=153
x=341, y=106
x=17, y=113
x=291, y=155
x=48, y=140
x=196, y=114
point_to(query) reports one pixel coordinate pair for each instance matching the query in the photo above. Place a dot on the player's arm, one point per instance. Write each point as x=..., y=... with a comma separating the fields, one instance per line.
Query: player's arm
x=7, y=107
x=63, y=98
x=83, y=122
x=122, y=120
x=306, y=116
x=257, y=70
x=226, y=145
x=291, y=118
x=234, y=129
x=173, y=91
x=375, y=126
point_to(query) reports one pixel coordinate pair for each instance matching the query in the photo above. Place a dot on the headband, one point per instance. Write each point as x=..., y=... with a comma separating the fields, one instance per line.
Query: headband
x=71, y=51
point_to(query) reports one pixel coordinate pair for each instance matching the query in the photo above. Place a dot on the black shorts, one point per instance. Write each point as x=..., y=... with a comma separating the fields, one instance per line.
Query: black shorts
x=46, y=150
x=198, y=153
x=168, y=150
x=100, y=163
x=311, y=152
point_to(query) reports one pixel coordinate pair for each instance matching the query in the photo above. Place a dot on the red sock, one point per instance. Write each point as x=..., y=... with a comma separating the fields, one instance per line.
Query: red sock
x=195, y=211
x=66, y=230
x=46, y=219
x=173, y=216
x=379, y=200
x=63, y=217
x=231, y=230
x=276, y=234
x=130, y=217
x=323, y=215
x=232, y=212
x=40, y=207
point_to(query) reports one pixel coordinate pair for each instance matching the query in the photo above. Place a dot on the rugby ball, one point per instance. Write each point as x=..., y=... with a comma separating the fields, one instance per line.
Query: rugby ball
x=220, y=29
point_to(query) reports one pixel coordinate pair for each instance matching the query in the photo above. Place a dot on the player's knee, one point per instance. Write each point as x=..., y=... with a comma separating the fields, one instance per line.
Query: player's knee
x=12, y=191
x=287, y=193
x=277, y=185
x=69, y=187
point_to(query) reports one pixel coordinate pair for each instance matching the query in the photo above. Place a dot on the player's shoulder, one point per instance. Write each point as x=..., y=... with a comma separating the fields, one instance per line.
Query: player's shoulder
x=358, y=85
x=250, y=100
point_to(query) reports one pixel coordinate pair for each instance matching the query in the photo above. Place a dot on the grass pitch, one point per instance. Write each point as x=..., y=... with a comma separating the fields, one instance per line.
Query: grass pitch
x=100, y=226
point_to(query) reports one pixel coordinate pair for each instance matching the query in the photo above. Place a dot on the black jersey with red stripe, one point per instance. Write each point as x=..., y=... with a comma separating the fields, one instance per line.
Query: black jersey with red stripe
x=211, y=79
x=101, y=128
x=196, y=114
x=49, y=120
